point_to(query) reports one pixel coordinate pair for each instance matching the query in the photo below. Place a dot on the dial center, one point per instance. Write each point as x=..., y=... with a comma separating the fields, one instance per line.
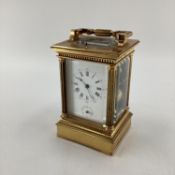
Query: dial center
x=87, y=86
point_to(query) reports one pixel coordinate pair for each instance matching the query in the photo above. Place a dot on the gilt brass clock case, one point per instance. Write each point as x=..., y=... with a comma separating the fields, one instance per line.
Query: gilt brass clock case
x=96, y=47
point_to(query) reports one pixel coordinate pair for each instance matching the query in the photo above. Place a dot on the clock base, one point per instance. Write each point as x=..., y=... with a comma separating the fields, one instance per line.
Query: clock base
x=101, y=141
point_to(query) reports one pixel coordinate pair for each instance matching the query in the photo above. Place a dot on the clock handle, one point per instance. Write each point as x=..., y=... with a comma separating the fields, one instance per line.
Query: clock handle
x=120, y=36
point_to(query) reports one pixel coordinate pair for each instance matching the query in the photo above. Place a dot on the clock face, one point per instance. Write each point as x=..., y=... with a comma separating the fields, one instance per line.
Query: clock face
x=86, y=89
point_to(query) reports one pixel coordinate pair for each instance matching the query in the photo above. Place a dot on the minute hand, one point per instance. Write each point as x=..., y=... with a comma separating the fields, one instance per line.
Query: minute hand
x=92, y=97
x=80, y=79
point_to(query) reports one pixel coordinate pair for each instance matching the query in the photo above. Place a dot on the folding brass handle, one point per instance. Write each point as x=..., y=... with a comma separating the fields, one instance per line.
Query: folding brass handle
x=120, y=36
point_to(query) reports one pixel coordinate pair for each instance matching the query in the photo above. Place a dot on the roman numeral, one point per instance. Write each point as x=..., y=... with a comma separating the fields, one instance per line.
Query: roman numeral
x=93, y=75
x=81, y=94
x=75, y=83
x=97, y=94
x=81, y=74
x=87, y=73
x=77, y=89
x=98, y=88
x=98, y=81
x=87, y=98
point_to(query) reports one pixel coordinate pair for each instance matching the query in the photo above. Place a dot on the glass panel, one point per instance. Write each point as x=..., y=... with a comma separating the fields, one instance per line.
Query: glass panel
x=108, y=42
x=122, y=75
x=86, y=89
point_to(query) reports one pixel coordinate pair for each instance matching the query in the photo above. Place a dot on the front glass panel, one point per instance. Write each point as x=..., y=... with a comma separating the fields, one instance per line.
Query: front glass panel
x=86, y=89
x=122, y=75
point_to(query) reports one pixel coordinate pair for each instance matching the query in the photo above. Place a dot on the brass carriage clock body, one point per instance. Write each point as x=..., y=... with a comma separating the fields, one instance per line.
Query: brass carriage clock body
x=95, y=69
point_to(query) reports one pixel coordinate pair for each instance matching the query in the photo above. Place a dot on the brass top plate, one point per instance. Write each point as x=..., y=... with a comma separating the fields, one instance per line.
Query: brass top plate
x=97, y=45
x=73, y=47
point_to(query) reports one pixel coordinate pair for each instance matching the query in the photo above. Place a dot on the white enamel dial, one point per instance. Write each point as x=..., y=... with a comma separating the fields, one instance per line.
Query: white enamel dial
x=87, y=86
x=86, y=89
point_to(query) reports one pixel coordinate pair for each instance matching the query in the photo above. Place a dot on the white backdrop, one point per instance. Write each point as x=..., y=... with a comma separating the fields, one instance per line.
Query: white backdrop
x=30, y=91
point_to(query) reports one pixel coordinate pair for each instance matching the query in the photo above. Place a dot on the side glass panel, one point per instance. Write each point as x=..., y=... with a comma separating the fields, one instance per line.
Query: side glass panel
x=122, y=75
x=86, y=89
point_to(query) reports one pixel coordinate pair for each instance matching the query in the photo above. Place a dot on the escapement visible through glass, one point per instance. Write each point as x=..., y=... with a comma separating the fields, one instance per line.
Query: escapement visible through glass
x=121, y=99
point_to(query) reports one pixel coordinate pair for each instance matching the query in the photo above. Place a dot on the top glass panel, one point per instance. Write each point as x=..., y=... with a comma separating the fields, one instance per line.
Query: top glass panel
x=107, y=42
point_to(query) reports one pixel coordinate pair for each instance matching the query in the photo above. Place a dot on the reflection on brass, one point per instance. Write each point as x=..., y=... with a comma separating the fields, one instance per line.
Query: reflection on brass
x=104, y=137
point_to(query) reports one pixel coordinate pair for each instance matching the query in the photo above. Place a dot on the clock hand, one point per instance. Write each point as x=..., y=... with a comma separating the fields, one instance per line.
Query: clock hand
x=87, y=87
x=80, y=79
x=91, y=96
x=85, y=84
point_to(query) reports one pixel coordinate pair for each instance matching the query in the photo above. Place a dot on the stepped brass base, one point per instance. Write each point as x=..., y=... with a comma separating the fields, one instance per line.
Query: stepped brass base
x=105, y=142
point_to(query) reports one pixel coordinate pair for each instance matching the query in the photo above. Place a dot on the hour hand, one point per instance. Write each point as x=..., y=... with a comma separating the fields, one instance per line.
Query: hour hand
x=80, y=79
x=91, y=96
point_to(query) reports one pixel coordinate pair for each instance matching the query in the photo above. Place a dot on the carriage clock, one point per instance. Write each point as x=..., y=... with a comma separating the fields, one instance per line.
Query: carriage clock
x=95, y=71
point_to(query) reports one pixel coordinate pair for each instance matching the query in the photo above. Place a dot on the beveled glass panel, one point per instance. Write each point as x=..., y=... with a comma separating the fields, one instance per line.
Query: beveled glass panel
x=122, y=75
x=86, y=89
